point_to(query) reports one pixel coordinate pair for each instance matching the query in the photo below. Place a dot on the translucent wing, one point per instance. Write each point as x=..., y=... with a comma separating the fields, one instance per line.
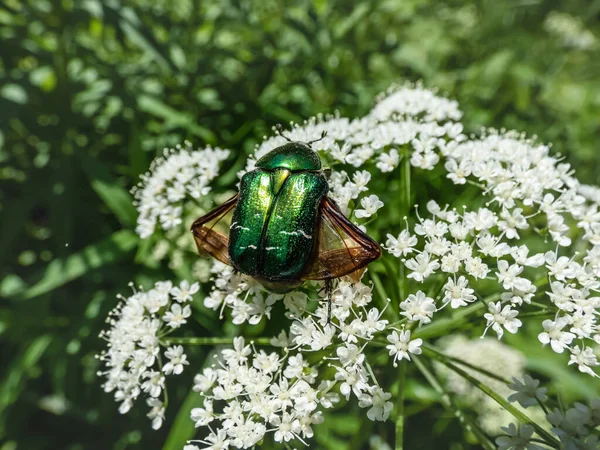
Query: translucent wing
x=342, y=248
x=211, y=231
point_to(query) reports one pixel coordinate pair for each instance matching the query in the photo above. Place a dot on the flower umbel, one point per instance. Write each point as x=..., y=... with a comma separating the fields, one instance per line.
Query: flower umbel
x=511, y=241
x=133, y=360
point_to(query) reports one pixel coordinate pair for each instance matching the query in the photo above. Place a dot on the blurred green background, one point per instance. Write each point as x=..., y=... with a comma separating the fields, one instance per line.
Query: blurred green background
x=91, y=91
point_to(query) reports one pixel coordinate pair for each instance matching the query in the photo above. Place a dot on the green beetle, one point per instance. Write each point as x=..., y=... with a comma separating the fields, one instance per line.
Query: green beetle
x=283, y=228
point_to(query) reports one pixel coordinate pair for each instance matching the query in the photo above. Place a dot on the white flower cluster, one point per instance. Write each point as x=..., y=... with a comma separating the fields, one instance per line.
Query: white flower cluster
x=262, y=392
x=180, y=173
x=133, y=360
x=415, y=101
x=569, y=30
x=576, y=428
x=530, y=244
x=530, y=193
x=265, y=393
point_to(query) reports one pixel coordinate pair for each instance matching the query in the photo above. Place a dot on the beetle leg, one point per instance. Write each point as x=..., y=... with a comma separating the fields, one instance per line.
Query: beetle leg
x=328, y=292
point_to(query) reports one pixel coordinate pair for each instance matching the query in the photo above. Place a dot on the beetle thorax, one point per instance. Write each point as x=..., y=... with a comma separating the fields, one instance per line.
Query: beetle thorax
x=293, y=156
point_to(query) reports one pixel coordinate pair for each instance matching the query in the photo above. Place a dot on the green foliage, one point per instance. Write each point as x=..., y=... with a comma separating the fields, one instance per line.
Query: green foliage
x=91, y=91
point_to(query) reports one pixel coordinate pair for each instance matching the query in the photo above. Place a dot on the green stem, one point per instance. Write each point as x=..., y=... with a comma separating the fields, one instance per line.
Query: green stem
x=211, y=340
x=402, y=281
x=382, y=294
x=406, y=180
x=441, y=327
x=542, y=406
x=479, y=185
x=392, y=275
x=400, y=407
x=449, y=404
x=519, y=415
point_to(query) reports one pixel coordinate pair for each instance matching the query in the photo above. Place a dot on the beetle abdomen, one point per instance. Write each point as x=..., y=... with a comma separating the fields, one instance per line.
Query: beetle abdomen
x=274, y=224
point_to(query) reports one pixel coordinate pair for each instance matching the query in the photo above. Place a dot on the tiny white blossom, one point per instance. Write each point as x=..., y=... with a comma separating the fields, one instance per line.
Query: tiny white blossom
x=377, y=401
x=177, y=316
x=585, y=360
x=422, y=266
x=177, y=359
x=370, y=205
x=388, y=161
x=458, y=292
x=553, y=334
x=157, y=412
x=401, y=345
x=499, y=317
x=402, y=245
x=185, y=291
x=418, y=308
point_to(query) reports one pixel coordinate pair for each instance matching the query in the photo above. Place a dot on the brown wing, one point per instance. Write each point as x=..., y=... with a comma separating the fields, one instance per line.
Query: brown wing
x=342, y=248
x=211, y=231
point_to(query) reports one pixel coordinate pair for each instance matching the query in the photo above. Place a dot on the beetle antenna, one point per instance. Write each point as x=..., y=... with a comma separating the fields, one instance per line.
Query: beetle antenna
x=323, y=134
x=279, y=128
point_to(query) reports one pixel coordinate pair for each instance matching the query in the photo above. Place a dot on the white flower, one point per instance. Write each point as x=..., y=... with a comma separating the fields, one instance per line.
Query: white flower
x=203, y=416
x=177, y=315
x=184, y=292
x=476, y=267
x=350, y=354
x=527, y=392
x=422, y=266
x=361, y=179
x=204, y=381
x=418, y=307
x=154, y=384
x=370, y=205
x=287, y=427
x=499, y=317
x=508, y=276
x=585, y=360
x=388, y=161
x=215, y=441
x=457, y=173
x=177, y=359
x=239, y=353
x=170, y=217
x=401, y=345
x=458, y=293
x=401, y=245
x=372, y=323
x=380, y=407
x=157, y=412
x=553, y=334
x=354, y=380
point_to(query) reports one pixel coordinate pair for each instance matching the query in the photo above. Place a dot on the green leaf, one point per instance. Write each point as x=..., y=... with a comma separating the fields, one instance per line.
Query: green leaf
x=156, y=107
x=61, y=271
x=183, y=427
x=16, y=376
x=11, y=284
x=138, y=38
x=14, y=93
x=118, y=200
x=43, y=77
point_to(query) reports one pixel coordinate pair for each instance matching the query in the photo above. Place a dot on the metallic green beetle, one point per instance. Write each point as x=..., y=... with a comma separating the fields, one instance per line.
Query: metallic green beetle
x=284, y=229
